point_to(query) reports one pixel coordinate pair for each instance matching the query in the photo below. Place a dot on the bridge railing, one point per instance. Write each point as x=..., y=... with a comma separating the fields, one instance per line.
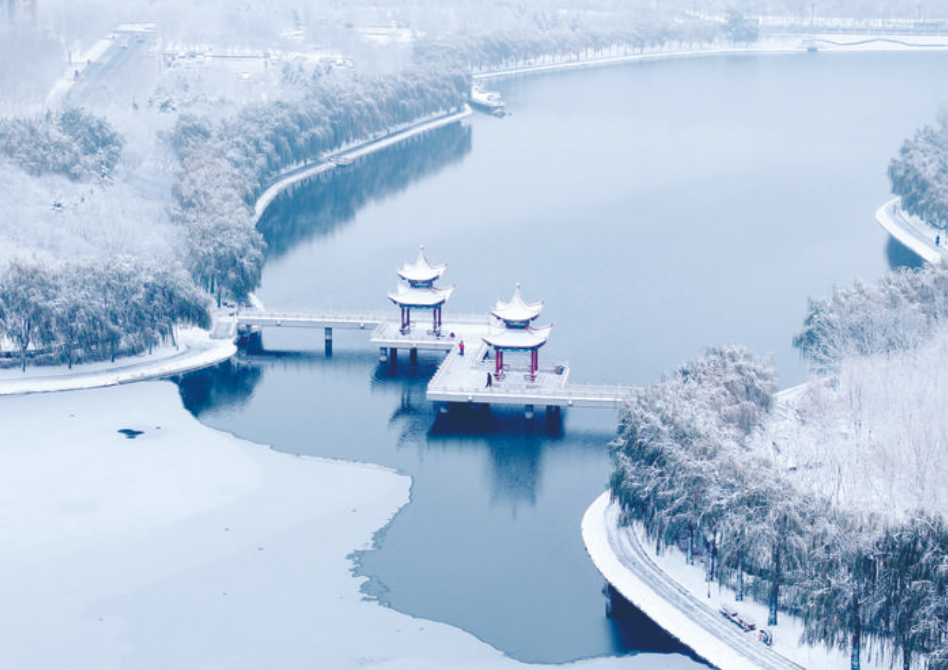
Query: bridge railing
x=615, y=394
x=363, y=316
x=322, y=315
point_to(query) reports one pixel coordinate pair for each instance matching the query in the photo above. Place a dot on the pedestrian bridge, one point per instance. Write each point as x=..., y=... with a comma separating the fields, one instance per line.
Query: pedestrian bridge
x=467, y=375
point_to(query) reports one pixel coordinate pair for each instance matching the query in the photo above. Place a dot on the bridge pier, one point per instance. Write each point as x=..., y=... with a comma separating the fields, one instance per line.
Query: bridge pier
x=328, y=342
x=413, y=356
x=528, y=412
x=393, y=355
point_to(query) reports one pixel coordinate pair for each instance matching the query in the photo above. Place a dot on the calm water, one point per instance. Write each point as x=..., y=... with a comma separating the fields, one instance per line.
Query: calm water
x=657, y=209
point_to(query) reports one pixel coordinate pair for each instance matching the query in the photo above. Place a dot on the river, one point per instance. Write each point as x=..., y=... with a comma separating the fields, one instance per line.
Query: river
x=657, y=209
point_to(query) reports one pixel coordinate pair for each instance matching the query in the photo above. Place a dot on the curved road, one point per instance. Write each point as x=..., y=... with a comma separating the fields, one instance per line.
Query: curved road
x=625, y=564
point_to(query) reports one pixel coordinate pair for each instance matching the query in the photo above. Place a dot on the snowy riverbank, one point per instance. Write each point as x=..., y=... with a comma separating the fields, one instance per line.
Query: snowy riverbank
x=354, y=152
x=776, y=45
x=196, y=349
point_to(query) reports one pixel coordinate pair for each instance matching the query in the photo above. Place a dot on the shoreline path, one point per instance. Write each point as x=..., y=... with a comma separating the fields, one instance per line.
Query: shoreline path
x=628, y=566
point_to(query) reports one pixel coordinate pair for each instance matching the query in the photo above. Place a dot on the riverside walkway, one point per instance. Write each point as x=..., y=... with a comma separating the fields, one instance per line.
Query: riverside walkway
x=626, y=564
x=927, y=242
x=463, y=375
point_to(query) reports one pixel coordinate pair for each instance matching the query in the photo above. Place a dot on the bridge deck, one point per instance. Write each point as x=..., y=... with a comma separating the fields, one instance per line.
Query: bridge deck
x=464, y=379
x=460, y=378
x=468, y=329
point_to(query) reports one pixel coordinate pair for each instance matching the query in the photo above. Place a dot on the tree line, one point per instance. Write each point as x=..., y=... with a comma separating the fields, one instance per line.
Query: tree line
x=503, y=50
x=71, y=142
x=695, y=468
x=93, y=311
x=898, y=313
x=226, y=166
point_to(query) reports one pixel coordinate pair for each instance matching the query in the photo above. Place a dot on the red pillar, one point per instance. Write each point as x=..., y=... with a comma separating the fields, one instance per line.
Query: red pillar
x=498, y=361
x=534, y=361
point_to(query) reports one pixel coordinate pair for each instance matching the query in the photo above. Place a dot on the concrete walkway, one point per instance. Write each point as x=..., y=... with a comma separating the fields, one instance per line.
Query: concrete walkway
x=911, y=231
x=625, y=563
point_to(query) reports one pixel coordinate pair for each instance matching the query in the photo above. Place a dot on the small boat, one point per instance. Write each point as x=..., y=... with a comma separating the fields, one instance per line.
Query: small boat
x=487, y=101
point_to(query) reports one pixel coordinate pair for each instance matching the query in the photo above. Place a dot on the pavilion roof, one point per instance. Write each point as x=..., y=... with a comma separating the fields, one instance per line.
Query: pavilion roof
x=407, y=296
x=421, y=270
x=522, y=339
x=517, y=310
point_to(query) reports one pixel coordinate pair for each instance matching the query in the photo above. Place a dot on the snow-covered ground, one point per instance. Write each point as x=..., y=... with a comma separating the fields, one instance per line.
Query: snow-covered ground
x=196, y=349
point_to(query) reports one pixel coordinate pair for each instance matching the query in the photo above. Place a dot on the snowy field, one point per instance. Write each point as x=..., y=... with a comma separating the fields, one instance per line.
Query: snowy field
x=874, y=437
x=186, y=548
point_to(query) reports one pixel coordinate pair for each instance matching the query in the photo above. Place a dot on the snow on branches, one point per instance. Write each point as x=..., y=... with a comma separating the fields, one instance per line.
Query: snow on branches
x=75, y=312
x=225, y=168
x=71, y=142
x=897, y=314
x=920, y=173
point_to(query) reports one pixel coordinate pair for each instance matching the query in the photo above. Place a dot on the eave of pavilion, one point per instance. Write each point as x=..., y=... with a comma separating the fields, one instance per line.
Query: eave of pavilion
x=420, y=298
x=421, y=271
x=520, y=339
x=517, y=313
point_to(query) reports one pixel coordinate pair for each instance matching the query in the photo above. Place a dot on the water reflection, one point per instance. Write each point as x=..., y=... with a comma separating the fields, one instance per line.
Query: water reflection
x=302, y=361
x=900, y=256
x=498, y=484
x=631, y=629
x=318, y=206
x=513, y=443
x=230, y=384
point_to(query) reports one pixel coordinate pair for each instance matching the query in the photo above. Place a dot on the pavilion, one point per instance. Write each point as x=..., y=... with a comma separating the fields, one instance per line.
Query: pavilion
x=419, y=292
x=517, y=333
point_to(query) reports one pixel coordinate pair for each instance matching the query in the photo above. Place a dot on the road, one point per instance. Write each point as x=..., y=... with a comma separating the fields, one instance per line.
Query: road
x=625, y=564
x=125, y=66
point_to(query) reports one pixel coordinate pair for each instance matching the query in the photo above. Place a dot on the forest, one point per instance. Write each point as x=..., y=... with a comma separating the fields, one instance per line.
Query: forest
x=832, y=508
